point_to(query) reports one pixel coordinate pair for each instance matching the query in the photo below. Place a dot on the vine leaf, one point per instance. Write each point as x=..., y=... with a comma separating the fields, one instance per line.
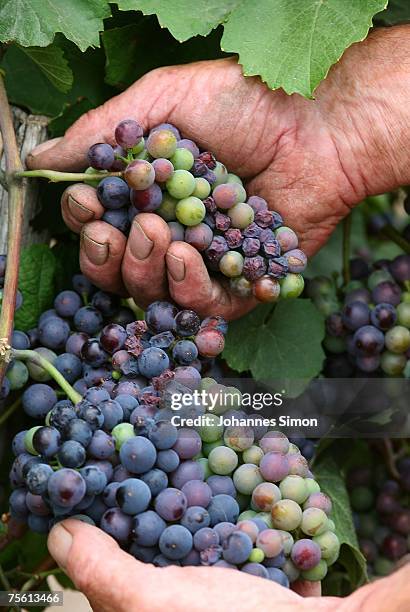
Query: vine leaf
x=35, y=22
x=297, y=40
x=184, y=18
x=52, y=63
x=36, y=283
x=331, y=482
x=283, y=343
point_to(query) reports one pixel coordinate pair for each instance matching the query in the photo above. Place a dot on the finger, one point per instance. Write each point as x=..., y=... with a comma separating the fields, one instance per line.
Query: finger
x=98, y=125
x=143, y=268
x=101, y=252
x=307, y=588
x=191, y=286
x=80, y=205
x=98, y=567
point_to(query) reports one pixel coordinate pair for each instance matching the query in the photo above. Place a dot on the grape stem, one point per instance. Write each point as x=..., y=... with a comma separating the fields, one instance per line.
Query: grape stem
x=390, y=458
x=347, y=231
x=14, y=230
x=10, y=410
x=391, y=233
x=57, y=177
x=36, y=358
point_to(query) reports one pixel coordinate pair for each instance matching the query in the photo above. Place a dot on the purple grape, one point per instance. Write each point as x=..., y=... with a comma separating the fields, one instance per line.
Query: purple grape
x=254, y=267
x=128, y=133
x=387, y=292
x=147, y=200
x=355, y=315
x=305, y=554
x=101, y=156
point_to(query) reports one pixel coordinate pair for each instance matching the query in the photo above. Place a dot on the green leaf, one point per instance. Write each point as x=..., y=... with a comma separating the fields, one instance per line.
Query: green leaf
x=36, y=282
x=133, y=50
x=283, y=342
x=53, y=65
x=293, y=43
x=184, y=18
x=35, y=22
x=397, y=11
x=67, y=256
x=331, y=481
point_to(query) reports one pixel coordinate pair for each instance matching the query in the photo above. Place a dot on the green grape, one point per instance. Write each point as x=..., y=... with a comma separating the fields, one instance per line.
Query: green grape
x=361, y=499
x=144, y=155
x=334, y=345
x=253, y=455
x=291, y=570
x=294, y=487
x=286, y=515
x=202, y=187
x=383, y=566
x=317, y=573
x=266, y=517
x=221, y=173
x=139, y=147
x=233, y=178
x=233, y=397
x=333, y=558
x=239, y=438
x=246, y=478
x=36, y=372
x=28, y=440
x=331, y=525
x=231, y=264
x=246, y=515
x=190, y=211
x=257, y=555
x=161, y=143
x=314, y=521
x=182, y=159
x=329, y=544
x=94, y=182
x=403, y=314
x=367, y=525
x=17, y=375
x=181, y=184
x=167, y=208
x=241, y=286
x=291, y=286
x=207, y=470
x=241, y=215
x=265, y=496
x=405, y=297
x=397, y=339
x=207, y=447
x=216, y=399
x=377, y=277
x=213, y=430
x=287, y=541
x=121, y=433
x=312, y=486
x=222, y=460
x=393, y=364
x=293, y=449
x=206, y=383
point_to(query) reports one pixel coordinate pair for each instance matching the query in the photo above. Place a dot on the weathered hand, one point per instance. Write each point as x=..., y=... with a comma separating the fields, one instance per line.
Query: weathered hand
x=312, y=160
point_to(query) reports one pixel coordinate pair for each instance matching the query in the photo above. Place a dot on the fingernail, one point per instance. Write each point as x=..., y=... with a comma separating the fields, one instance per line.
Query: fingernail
x=44, y=146
x=140, y=245
x=96, y=252
x=80, y=212
x=176, y=267
x=59, y=544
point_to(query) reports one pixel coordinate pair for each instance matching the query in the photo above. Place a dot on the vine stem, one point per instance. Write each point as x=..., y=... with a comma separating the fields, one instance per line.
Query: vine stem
x=57, y=177
x=34, y=357
x=15, y=221
x=7, y=414
x=3, y=180
x=347, y=232
x=391, y=233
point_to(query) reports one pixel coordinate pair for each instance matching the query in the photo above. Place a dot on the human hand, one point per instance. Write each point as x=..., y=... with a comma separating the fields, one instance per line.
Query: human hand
x=311, y=160
x=113, y=580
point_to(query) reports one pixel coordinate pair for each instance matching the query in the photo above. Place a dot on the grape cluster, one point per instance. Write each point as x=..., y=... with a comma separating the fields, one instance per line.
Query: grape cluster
x=203, y=205
x=370, y=331
x=215, y=493
x=381, y=515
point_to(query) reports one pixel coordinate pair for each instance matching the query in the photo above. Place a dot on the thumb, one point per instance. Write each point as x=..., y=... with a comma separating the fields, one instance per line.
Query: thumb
x=99, y=568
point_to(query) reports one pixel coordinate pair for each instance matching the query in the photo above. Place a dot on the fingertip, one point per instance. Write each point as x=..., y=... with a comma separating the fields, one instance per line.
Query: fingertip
x=35, y=158
x=79, y=205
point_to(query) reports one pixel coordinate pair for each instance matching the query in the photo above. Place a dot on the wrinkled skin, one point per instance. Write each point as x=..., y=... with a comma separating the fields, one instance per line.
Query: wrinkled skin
x=313, y=160
x=113, y=580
